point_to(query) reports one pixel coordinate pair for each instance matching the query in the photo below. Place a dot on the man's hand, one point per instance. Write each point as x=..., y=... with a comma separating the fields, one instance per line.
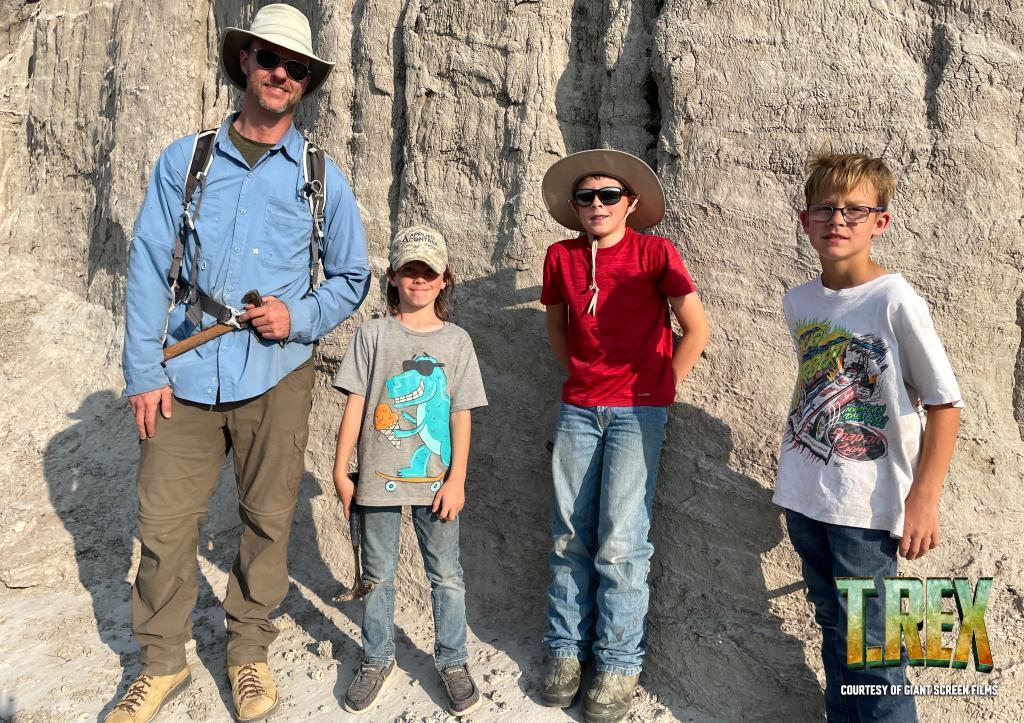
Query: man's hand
x=450, y=499
x=144, y=406
x=271, y=321
x=345, y=488
x=920, y=527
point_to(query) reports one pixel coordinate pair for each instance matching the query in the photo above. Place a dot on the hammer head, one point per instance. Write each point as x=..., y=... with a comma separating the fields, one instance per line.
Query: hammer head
x=354, y=594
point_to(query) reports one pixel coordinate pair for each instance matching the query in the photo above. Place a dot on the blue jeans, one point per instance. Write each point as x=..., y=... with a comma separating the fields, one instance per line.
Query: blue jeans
x=439, y=543
x=605, y=465
x=829, y=551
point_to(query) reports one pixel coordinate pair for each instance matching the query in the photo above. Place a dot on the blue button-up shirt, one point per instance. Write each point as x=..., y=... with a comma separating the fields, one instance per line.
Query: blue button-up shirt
x=254, y=228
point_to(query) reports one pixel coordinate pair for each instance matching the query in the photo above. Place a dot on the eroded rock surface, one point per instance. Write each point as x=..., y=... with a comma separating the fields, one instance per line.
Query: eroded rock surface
x=448, y=113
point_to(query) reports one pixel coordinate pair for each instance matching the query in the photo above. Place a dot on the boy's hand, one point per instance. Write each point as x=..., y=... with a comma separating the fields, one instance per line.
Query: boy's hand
x=450, y=499
x=920, y=527
x=345, y=488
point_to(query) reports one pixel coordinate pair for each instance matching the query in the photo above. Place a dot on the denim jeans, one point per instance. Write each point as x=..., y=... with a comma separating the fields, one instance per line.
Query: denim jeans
x=605, y=465
x=439, y=544
x=829, y=551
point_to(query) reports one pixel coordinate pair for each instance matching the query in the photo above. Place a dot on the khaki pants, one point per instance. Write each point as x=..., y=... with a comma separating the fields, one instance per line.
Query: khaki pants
x=178, y=470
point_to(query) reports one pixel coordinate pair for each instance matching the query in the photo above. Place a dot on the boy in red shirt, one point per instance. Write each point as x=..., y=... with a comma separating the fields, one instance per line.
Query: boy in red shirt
x=608, y=293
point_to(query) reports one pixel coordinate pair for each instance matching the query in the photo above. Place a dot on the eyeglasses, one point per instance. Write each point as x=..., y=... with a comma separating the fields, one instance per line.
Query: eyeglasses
x=424, y=366
x=851, y=214
x=610, y=195
x=269, y=60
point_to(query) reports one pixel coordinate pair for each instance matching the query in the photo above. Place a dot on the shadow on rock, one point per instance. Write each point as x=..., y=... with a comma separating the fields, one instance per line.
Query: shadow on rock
x=505, y=527
x=90, y=471
x=713, y=639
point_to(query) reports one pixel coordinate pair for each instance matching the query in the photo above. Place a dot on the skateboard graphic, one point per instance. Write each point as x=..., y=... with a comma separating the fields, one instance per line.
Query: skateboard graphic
x=392, y=481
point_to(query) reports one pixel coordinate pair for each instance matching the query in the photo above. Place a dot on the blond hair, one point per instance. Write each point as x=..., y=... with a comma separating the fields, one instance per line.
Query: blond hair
x=829, y=172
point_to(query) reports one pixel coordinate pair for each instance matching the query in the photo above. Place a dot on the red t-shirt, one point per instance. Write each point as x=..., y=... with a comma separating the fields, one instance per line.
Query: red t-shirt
x=623, y=355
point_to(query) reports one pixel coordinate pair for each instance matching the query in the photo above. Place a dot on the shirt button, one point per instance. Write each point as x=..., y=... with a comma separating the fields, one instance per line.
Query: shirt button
x=249, y=174
x=242, y=212
x=236, y=249
x=231, y=288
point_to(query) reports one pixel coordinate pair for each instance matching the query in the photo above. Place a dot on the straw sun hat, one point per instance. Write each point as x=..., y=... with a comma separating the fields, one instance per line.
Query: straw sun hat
x=281, y=25
x=561, y=179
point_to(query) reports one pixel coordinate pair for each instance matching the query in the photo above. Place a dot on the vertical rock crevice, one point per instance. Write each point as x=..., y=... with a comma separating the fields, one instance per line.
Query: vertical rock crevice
x=608, y=95
x=1018, y=372
x=399, y=113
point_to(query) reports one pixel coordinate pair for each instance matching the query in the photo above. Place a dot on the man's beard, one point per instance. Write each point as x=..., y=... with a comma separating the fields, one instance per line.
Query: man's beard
x=285, y=105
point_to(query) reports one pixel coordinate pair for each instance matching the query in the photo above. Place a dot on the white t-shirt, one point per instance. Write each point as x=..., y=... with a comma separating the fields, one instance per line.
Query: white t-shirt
x=868, y=359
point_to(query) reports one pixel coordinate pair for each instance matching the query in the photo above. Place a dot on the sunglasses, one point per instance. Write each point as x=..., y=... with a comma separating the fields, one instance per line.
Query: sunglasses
x=425, y=367
x=269, y=60
x=609, y=195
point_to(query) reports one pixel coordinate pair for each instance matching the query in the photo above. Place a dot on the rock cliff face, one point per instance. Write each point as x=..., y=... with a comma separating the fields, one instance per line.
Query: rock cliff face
x=448, y=113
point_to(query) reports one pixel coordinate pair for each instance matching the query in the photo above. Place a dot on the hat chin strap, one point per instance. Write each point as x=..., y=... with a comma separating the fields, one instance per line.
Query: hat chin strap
x=592, y=306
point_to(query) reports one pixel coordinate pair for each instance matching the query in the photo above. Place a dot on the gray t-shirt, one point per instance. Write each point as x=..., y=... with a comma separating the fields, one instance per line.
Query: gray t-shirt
x=412, y=382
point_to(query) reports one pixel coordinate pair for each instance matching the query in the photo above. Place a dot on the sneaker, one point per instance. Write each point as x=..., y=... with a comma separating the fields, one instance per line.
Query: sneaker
x=147, y=695
x=367, y=685
x=561, y=682
x=252, y=691
x=609, y=697
x=463, y=695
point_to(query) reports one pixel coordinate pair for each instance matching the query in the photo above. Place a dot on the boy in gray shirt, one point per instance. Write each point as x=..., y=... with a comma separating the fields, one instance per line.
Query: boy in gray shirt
x=412, y=378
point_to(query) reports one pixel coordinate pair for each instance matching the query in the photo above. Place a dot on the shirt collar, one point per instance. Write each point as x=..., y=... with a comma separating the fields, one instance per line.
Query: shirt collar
x=291, y=143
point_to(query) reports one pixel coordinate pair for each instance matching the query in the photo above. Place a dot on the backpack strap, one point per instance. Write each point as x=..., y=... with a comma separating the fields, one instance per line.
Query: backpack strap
x=314, y=188
x=198, y=167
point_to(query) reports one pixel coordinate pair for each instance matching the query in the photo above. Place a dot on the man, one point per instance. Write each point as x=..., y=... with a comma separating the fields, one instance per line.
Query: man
x=249, y=391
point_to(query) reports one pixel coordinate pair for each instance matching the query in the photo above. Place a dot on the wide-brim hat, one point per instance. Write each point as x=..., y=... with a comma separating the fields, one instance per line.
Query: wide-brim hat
x=561, y=179
x=281, y=25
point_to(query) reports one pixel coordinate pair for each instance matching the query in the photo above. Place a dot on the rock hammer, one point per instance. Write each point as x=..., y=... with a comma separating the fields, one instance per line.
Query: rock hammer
x=217, y=330
x=355, y=530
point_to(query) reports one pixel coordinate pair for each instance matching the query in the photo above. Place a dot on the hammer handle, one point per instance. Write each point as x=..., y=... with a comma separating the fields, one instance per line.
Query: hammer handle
x=355, y=522
x=209, y=334
x=196, y=339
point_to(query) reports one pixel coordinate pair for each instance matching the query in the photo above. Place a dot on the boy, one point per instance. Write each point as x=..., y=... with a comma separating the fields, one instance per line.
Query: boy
x=607, y=295
x=858, y=476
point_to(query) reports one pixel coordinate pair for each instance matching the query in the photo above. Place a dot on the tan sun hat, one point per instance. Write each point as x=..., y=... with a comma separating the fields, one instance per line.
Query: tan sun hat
x=419, y=243
x=561, y=179
x=281, y=25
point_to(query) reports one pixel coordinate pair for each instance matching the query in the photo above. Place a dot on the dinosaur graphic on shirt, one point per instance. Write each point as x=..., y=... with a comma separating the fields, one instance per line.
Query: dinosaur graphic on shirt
x=421, y=388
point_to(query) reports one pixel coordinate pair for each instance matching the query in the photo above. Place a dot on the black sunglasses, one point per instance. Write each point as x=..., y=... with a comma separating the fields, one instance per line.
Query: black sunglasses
x=269, y=60
x=610, y=195
x=424, y=366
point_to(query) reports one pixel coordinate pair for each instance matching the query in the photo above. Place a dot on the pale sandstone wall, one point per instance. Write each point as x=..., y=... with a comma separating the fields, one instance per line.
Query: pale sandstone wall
x=449, y=113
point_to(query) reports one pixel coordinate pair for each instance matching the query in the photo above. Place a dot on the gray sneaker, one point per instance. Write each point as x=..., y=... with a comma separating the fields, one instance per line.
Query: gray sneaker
x=561, y=682
x=609, y=697
x=463, y=695
x=366, y=686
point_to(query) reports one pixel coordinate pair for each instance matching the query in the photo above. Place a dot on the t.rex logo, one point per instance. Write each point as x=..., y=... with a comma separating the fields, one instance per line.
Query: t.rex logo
x=423, y=386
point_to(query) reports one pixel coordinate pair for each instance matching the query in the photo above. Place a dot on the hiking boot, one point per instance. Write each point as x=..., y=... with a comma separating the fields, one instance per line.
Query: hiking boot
x=147, y=695
x=609, y=697
x=367, y=685
x=252, y=691
x=561, y=682
x=463, y=695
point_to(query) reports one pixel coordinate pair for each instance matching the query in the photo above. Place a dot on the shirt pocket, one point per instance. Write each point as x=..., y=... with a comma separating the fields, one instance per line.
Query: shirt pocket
x=285, y=236
x=207, y=222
